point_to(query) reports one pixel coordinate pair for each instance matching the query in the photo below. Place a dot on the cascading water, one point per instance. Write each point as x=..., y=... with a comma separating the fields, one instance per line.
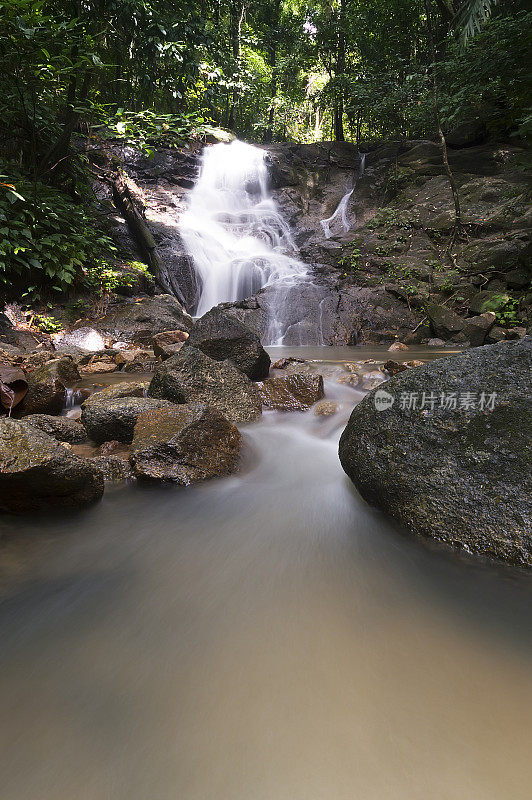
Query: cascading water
x=234, y=231
x=341, y=218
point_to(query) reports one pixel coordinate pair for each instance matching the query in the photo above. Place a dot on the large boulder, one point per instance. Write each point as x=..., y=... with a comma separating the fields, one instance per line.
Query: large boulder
x=137, y=320
x=116, y=419
x=36, y=472
x=61, y=428
x=192, y=377
x=222, y=337
x=292, y=392
x=459, y=474
x=47, y=387
x=184, y=444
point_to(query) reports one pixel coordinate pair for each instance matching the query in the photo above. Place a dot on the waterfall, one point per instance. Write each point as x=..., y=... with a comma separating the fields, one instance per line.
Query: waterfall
x=233, y=230
x=341, y=216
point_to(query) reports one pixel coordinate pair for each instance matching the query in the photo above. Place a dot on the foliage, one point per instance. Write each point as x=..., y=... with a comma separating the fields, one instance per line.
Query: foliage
x=105, y=277
x=44, y=238
x=46, y=323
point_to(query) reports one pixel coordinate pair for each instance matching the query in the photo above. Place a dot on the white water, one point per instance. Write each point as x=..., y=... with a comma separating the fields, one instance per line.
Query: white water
x=234, y=231
x=341, y=218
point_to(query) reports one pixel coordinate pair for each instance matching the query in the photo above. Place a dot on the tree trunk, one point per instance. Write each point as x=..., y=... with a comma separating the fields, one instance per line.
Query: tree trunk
x=338, y=112
x=441, y=136
x=237, y=17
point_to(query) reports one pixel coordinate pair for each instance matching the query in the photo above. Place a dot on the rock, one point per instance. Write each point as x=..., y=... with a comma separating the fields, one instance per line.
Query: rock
x=397, y=346
x=61, y=428
x=461, y=476
x=185, y=444
x=167, y=343
x=283, y=363
x=137, y=320
x=467, y=134
x=143, y=362
x=36, y=472
x=445, y=323
x=116, y=419
x=222, y=337
x=516, y=333
x=47, y=387
x=477, y=328
x=415, y=363
x=99, y=364
x=393, y=367
x=113, y=468
x=436, y=343
x=292, y=392
x=496, y=334
x=190, y=376
x=114, y=447
x=84, y=339
x=132, y=389
x=325, y=409
x=518, y=278
x=488, y=301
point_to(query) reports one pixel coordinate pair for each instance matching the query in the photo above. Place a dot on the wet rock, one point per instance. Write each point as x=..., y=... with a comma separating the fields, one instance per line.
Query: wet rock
x=326, y=408
x=63, y=429
x=185, y=444
x=445, y=323
x=114, y=447
x=114, y=468
x=415, y=363
x=397, y=346
x=167, y=343
x=283, y=363
x=191, y=376
x=142, y=362
x=436, y=343
x=459, y=475
x=47, y=387
x=292, y=392
x=393, y=367
x=116, y=419
x=36, y=472
x=477, y=328
x=84, y=339
x=222, y=337
x=137, y=320
x=132, y=389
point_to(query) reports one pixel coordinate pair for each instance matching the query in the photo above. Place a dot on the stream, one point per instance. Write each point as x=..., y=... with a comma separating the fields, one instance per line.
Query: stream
x=264, y=636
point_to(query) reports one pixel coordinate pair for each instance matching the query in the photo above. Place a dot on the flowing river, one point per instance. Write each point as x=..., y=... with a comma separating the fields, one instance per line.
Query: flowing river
x=266, y=636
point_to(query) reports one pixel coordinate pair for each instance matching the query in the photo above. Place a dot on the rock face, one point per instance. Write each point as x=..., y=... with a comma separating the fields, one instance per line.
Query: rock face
x=85, y=339
x=62, y=429
x=138, y=320
x=116, y=419
x=463, y=475
x=192, y=377
x=222, y=337
x=292, y=393
x=46, y=387
x=185, y=444
x=36, y=472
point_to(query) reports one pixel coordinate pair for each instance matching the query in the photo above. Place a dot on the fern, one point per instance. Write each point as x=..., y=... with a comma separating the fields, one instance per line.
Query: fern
x=471, y=16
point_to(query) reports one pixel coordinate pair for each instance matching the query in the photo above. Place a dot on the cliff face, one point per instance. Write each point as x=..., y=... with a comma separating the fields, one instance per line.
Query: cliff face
x=392, y=269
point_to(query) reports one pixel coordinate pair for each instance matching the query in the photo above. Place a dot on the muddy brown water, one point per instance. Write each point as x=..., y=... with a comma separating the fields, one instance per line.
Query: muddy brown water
x=262, y=637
